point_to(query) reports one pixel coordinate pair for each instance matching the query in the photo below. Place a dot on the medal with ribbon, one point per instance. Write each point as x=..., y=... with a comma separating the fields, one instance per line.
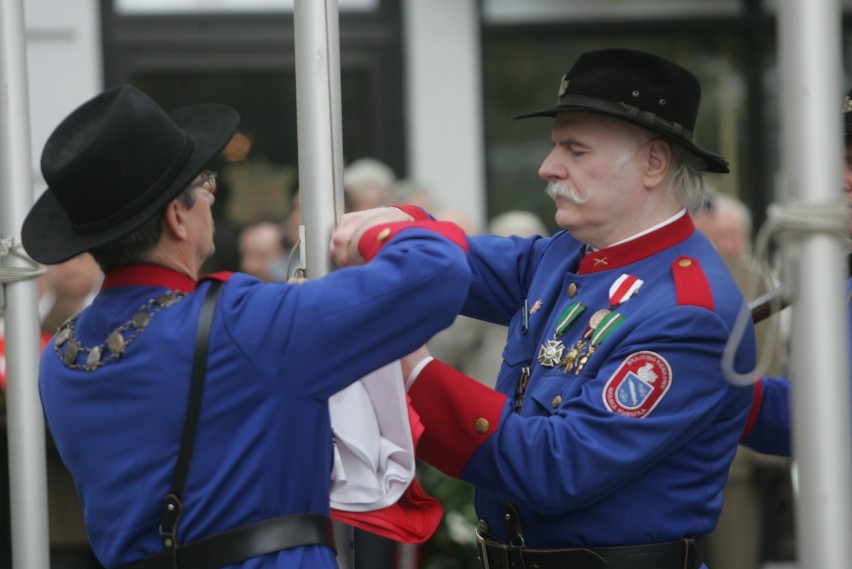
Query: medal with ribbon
x=550, y=353
x=601, y=324
x=622, y=289
x=606, y=325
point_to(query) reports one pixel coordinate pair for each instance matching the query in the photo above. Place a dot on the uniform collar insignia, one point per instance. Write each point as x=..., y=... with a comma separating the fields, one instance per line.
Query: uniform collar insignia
x=637, y=249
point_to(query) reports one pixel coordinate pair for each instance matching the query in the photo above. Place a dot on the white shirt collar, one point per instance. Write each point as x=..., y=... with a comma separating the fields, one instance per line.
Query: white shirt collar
x=660, y=225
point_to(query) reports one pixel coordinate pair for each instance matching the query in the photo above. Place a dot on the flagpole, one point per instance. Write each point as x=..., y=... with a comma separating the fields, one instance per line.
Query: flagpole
x=811, y=122
x=319, y=127
x=25, y=423
x=318, y=106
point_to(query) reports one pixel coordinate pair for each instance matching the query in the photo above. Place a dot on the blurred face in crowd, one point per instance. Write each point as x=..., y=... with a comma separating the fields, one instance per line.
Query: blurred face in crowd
x=76, y=278
x=260, y=246
x=600, y=197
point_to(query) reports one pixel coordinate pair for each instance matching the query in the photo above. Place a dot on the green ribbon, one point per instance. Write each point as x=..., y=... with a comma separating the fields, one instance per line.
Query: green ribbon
x=568, y=316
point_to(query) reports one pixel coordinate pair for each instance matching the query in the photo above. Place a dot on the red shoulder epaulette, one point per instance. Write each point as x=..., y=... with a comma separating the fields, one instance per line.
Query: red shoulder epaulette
x=221, y=276
x=691, y=285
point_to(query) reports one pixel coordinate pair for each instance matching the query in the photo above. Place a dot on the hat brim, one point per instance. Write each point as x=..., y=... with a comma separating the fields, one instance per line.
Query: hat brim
x=712, y=162
x=47, y=230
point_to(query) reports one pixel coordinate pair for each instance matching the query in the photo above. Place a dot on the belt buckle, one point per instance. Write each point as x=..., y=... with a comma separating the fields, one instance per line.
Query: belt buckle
x=482, y=550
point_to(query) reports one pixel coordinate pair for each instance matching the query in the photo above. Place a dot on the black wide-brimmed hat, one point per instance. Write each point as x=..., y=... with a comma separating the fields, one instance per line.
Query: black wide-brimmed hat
x=115, y=162
x=640, y=88
x=847, y=115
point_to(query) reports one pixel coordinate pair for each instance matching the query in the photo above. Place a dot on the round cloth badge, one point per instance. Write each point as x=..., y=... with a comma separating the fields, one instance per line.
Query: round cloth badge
x=638, y=385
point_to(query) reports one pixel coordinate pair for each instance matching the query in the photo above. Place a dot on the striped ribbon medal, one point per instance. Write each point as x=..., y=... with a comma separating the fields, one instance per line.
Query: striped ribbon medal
x=608, y=323
x=601, y=324
x=622, y=289
x=550, y=352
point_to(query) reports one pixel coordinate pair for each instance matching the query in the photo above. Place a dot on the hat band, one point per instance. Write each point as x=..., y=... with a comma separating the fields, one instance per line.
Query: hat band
x=134, y=206
x=635, y=113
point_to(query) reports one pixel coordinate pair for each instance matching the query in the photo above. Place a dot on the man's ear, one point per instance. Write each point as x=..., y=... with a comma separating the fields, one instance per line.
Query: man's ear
x=174, y=220
x=658, y=162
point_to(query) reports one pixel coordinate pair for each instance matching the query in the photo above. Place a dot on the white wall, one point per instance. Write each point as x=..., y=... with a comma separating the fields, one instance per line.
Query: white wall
x=63, y=64
x=444, y=101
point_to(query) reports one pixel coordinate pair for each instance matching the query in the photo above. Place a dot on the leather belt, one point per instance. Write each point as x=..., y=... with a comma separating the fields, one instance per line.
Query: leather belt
x=245, y=542
x=682, y=554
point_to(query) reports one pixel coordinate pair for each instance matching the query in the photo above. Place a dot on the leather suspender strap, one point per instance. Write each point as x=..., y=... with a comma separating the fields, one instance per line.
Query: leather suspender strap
x=232, y=546
x=172, y=505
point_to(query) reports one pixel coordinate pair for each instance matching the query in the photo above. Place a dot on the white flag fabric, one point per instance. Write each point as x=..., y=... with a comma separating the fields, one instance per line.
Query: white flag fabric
x=374, y=451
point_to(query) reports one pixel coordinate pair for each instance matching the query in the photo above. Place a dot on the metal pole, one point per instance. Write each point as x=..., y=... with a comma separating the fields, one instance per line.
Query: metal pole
x=319, y=126
x=812, y=151
x=318, y=108
x=27, y=463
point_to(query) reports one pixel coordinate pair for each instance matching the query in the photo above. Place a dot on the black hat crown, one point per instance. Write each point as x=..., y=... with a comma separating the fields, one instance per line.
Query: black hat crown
x=640, y=88
x=113, y=163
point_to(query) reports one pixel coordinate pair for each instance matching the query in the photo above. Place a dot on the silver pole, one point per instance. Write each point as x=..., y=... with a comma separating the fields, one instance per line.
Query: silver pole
x=27, y=463
x=812, y=151
x=319, y=126
x=320, y=156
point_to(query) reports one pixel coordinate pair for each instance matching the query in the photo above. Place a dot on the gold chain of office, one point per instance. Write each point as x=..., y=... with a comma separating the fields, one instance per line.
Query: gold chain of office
x=69, y=348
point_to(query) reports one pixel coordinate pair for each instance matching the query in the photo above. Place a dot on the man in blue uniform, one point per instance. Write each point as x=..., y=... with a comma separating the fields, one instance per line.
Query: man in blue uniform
x=127, y=183
x=607, y=440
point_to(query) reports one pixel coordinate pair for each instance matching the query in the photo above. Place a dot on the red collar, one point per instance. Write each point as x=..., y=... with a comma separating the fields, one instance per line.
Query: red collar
x=637, y=249
x=149, y=275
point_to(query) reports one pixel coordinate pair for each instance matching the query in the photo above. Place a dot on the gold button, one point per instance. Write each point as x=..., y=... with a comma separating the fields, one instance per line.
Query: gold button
x=684, y=262
x=557, y=401
x=572, y=290
x=384, y=234
x=481, y=426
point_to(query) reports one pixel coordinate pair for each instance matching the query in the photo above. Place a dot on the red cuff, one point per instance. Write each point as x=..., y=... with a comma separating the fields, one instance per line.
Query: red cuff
x=756, y=401
x=415, y=211
x=377, y=236
x=459, y=414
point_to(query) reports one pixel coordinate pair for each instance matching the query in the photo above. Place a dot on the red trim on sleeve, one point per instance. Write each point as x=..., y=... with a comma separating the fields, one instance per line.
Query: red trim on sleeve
x=691, y=285
x=459, y=414
x=415, y=211
x=756, y=402
x=377, y=236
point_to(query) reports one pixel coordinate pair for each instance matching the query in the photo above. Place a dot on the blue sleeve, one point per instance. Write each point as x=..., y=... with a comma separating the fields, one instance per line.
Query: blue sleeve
x=340, y=327
x=770, y=429
x=501, y=268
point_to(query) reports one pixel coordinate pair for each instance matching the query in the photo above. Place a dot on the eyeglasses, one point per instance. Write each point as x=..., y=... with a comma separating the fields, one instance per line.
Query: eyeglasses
x=207, y=182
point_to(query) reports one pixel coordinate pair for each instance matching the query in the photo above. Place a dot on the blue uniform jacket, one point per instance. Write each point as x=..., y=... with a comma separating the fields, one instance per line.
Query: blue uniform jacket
x=635, y=448
x=277, y=353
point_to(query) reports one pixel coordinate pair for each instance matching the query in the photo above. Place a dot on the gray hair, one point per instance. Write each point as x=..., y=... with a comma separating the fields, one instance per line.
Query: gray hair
x=684, y=181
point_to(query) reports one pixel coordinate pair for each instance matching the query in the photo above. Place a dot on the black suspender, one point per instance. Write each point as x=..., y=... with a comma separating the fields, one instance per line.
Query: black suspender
x=234, y=545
